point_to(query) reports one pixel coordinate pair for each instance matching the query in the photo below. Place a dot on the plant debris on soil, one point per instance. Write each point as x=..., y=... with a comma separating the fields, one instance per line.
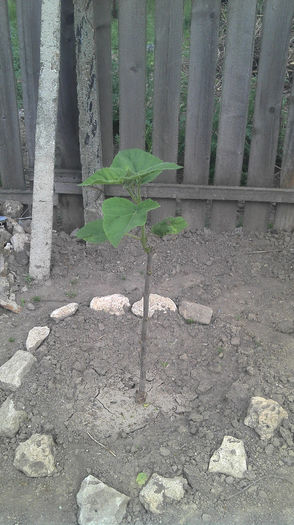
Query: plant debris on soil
x=200, y=379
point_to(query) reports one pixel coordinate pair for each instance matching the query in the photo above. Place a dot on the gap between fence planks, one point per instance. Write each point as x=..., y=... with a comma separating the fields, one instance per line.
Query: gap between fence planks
x=41, y=238
x=234, y=107
x=200, y=102
x=277, y=21
x=167, y=85
x=29, y=27
x=132, y=66
x=11, y=166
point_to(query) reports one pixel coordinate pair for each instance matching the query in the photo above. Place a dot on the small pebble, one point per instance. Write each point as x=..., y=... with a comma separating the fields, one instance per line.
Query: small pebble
x=30, y=306
x=269, y=450
x=164, y=451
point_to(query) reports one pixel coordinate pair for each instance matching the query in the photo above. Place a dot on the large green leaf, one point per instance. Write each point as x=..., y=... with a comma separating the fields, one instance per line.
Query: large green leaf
x=121, y=216
x=139, y=164
x=105, y=176
x=169, y=226
x=93, y=232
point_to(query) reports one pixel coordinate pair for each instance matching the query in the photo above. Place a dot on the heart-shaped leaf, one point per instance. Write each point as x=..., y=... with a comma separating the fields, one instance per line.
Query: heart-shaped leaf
x=121, y=216
x=169, y=226
x=105, y=176
x=139, y=164
x=93, y=232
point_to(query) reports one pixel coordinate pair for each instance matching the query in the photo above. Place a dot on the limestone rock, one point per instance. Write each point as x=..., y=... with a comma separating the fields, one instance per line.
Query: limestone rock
x=36, y=336
x=3, y=265
x=230, y=458
x=10, y=418
x=157, y=303
x=35, y=457
x=113, y=304
x=160, y=490
x=195, y=312
x=14, y=370
x=64, y=311
x=5, y=236
x=10, y=305
x=12, y=208
x=264, y=416
x=100, y=504
x=18, y=241
x=4, y=287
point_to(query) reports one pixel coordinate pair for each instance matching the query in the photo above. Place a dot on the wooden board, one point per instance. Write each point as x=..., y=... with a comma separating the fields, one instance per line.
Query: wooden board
x=277, y=21
x=67, y=135
x=200, y=102
x=11, y=167
x=234, y=107
x=167, y=83
x=29, y=27
x=102, y=25
x=132, y=62
x=284, y=219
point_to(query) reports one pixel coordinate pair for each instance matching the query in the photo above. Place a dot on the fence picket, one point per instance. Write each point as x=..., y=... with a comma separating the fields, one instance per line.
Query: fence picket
x=132, y=61
x=200, y=103
x=29, y=27
x=167, y=83
x=272, y=64
x=11, y=165
x=102, y=24
x=284, y=219
x=234, y=107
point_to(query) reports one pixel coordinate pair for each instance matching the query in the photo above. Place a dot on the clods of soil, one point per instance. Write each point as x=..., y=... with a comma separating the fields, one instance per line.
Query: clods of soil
x=200, y=380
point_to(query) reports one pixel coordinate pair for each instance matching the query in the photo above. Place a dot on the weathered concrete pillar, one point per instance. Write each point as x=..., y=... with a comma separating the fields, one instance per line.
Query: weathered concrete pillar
x=41, y=241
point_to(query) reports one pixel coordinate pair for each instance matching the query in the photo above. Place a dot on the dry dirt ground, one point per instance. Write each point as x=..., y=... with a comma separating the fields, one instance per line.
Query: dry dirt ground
x=200, y=379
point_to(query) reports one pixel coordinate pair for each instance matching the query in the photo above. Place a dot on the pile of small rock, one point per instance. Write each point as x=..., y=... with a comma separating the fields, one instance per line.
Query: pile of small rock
x=14, y=248
x=97, y=502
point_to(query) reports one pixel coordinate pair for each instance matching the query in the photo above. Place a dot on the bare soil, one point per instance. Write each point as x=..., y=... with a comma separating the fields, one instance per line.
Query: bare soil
x=200, y=379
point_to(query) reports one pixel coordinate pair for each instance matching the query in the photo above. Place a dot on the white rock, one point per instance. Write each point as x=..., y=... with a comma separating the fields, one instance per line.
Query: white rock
x=10, y=418
x=12, y=208
x=100, y=504
x=160, y=490
x=113, y=304
x=64, y=311
x=18, y=241
x=35, y=457
x=264, y=416
x=14, y=370
x=4, y=287
x=195, y=312
x=156, y=303
x=36, y=336
x=230, y=458
x=3, y=265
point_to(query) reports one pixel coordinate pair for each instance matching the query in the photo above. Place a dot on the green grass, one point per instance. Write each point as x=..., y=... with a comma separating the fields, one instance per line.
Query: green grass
x=11, y=339
x=36, y=299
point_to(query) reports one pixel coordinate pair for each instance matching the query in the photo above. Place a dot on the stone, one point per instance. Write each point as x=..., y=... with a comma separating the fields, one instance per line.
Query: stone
x=36, y=336
x=14, y=370
x=3, y=266
x=10, y=418
x=160, y=490
x=4, y=287
x=13, y=226
x=5, y=236
x=113, y=304
x=35, y=457
x=10, y=305
x=230, y=458
x=18, y=241
x=195, y=312
x=100, y=504
x=235, y=341
x=64, y=311
x=12, y=208
x=157, y=303
x=264, y=416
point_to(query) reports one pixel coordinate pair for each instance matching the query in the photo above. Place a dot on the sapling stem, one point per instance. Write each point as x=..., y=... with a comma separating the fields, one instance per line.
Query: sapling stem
x=141, y=392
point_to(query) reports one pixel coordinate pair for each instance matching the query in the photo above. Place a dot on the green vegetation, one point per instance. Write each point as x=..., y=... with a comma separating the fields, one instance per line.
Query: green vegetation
x=11, y=339
x=132, y=168
x=36, y=299
x=141, y=478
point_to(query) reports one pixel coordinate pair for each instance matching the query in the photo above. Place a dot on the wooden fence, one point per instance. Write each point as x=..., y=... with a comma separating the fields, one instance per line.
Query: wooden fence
x=203, y=198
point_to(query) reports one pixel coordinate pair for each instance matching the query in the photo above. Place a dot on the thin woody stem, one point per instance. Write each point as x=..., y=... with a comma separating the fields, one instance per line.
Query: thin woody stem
x=141, y=392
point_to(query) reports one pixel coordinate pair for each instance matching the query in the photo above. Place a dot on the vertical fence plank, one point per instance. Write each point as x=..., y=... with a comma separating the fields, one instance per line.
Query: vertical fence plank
x=89, y=118
x=29, y=27
x=102, y=24
x=234, y=107
x=132, y=61
x=200, y=103
x=11, y=165
x=67, y=135
x=167, y=83
x=284, y=219
x=272, y=63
